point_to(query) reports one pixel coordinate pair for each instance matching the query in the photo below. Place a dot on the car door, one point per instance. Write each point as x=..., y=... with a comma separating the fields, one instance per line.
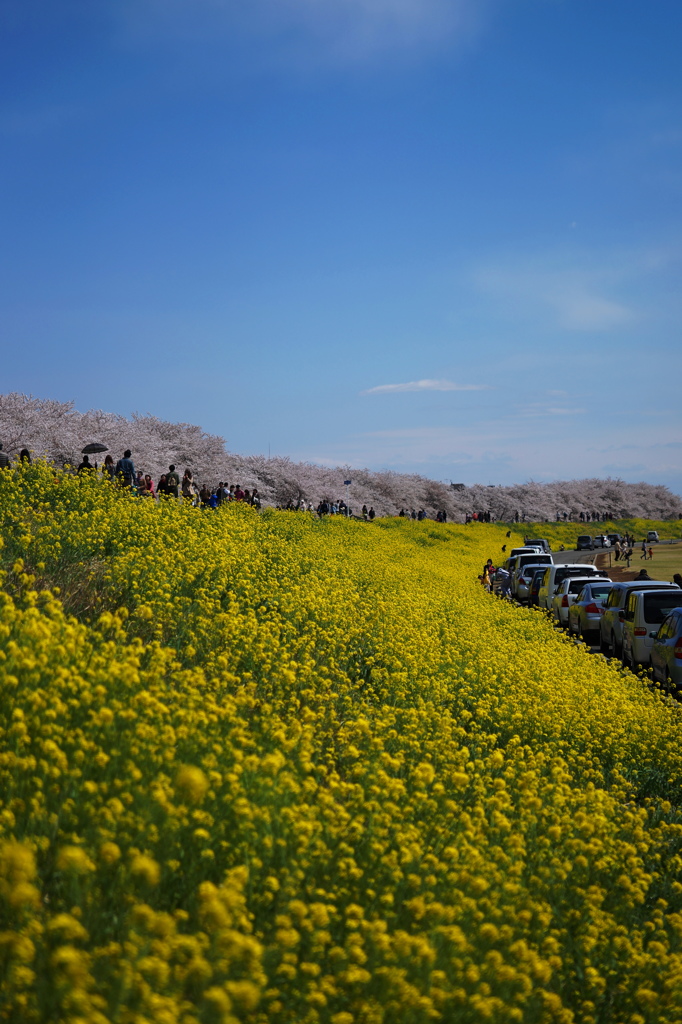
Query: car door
x=544, y=588
x=575, y=612
x=629, y=621
x=662, y=646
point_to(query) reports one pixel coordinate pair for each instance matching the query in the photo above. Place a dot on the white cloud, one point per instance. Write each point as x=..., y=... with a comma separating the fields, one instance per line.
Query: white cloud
x=423, y=385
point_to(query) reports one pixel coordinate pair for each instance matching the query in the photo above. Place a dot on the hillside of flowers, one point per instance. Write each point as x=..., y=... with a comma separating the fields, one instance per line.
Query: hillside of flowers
x=57, y=431
x=270, y=768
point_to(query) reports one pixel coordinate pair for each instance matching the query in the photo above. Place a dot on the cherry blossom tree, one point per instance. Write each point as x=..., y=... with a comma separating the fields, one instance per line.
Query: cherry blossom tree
x=58, y=432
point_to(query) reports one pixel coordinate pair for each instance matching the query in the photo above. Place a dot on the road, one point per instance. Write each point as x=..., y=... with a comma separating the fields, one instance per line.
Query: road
x=575, y=557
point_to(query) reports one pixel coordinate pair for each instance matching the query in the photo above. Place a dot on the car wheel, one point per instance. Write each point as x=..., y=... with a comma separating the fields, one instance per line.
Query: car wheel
x=617, y=651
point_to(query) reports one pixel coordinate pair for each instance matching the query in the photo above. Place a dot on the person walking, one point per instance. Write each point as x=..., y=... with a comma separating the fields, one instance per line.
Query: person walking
x=85, y=466
x=125, y=469
x=4, y=459
x=371, y=514
x=109, y=468
x=187, y=487
x=643, y=554
x=25, y=456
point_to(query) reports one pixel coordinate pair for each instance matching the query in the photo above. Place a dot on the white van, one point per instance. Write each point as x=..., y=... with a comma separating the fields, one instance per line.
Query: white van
x=645, y=610
x=611, y=625
x=556, y=574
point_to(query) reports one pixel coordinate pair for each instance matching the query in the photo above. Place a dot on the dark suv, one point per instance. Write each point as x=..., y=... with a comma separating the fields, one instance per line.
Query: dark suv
x=584, y=543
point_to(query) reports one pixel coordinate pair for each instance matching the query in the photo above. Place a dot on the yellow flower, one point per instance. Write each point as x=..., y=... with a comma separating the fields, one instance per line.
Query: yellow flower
x=75, y=860
x=191, y=783
x=146, y=869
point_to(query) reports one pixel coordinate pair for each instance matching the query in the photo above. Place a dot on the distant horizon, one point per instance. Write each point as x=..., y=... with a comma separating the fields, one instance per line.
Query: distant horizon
x=330, y=466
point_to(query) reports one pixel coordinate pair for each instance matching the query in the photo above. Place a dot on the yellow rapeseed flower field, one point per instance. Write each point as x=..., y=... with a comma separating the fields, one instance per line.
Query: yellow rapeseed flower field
x=264, y=768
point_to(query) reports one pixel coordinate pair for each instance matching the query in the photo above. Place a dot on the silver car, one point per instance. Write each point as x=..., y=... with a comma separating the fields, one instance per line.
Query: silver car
x=517, y=564
x=525, y=579
x=645, y=611
x=584, y=616
x=611, y=625
x=565, y=596
x=666, y=653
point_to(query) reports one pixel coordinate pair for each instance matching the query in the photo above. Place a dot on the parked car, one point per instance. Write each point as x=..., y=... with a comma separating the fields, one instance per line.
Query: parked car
x=615, y=538
x=538, y=542
x=584, y=543
x=584, y=615
x=644, y=612
x=602, y=541
x=521, y=551
x=556, y=574
x=611, y=625
x=666, y=650
x=518, y=561
x=535, y=585
x=652, y=537
x=525, y=578
x=566, y=594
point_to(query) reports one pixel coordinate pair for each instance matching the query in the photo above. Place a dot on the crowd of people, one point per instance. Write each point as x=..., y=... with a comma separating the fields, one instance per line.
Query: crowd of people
x=170, y=484
x=441, y=516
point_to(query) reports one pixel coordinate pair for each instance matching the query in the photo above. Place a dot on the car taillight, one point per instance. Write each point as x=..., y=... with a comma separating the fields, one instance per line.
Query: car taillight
x=678, y=649
x=640, y=631
x=564, y=601
x=593, y=609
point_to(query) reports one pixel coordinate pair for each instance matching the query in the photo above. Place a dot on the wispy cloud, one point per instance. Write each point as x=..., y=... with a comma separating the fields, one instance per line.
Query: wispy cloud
x=423, y=385
x=580, y=293
x=541, y=409
x=343, y=30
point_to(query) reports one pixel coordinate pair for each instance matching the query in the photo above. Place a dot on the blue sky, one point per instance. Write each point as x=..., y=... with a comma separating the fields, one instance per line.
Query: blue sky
x=439, y=236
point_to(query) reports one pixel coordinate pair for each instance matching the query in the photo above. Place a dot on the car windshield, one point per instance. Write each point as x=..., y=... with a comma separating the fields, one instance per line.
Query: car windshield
x=562, y=574
x=657, y=606
x=536, y=559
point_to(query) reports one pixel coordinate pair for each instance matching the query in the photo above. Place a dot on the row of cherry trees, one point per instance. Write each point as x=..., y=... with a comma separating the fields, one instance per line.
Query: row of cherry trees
x=58, y=432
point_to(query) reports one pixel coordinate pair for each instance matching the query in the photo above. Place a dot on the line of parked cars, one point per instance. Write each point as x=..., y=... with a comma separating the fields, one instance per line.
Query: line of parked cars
x=639, y=621
x=586, y=542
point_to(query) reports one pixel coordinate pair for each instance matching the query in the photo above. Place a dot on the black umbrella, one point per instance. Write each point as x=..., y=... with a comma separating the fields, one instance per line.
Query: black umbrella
x=94, y=449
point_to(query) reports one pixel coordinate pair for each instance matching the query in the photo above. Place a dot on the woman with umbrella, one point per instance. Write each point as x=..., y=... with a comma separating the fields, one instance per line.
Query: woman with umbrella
x=91, y=449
